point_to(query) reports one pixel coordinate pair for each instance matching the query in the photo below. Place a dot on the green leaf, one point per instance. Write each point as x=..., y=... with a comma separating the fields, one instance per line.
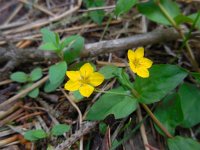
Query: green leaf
x=57, y=38
x=77, y=95
x=34, y=135
x=169, y=113
x=123, y=6
x=36, y=74
x=108, y=71
x=194, y=17
x=48, y=36
x=59, y=129
x=118, y=105
x=181, y=143
x=190, y=104
x=48, y=47
x=163, y=79
x=50, y=147
x=153, y=12
x=50, y=87
x=20, y=77
x=57, y=72
x=123, y=78
x=34, y=93
x=97, y=15
x=75, y=45
x=182, y=19
x=196, y=75
x=102, y=127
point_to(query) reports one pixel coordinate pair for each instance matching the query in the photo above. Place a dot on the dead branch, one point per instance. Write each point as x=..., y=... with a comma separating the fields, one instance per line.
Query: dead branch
x=85, y=128
x=15, y=57
x=43, y=22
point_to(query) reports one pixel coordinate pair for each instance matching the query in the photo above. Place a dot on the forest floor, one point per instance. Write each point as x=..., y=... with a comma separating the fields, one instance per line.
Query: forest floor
x=107, y=40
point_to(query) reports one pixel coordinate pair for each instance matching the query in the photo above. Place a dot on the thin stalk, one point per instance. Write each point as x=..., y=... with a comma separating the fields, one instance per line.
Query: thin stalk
x=190, y=31
x=153, y=117
x=173, y=23
x=109, y=92
x=158, y=123
x=106, y=27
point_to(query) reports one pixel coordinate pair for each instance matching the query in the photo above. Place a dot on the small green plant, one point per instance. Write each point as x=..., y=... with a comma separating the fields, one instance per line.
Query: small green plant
x=28, y=80
x=151, y=83
x=97, y=15
x=67, y=49
x=57, y=130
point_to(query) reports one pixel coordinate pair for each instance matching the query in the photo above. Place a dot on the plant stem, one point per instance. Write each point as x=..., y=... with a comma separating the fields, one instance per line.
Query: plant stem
x=190, y=31
x=158, y=123
x=153, y=117
x=178, y=29
x=106, y=27
x=109, y=92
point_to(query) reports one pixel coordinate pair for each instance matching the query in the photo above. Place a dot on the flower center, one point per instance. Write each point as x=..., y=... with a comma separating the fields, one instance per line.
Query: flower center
x=136, y=62
x=84, y=80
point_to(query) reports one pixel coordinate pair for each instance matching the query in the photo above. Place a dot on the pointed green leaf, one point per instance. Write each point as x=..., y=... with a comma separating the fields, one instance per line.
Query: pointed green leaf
x=163, y=79
x=60, y=129
x=74, y=46
x=34, y=93
x=123, y=78
x=194, y=17
x=118, y=105
x=20, y=77
x=36, y=74
x=77, y=95
x=97, y=15
x=109, y=71
x=153, y=12
x=48, y=36
x=182, y=19
x=196, y=75
x=190, y=104
x=123, y=6
x=181, y=143
x=57, y=72
x=48, y=47
x=169, y=113
x=34, y=135
x=50, y=87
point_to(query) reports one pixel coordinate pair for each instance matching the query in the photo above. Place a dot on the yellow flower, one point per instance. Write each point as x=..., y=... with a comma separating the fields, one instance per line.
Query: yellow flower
x=84, y=80
x=138, y=63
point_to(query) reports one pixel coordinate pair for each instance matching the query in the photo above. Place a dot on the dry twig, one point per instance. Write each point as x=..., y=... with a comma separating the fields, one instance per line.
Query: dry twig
x=86, y=128
x=14, y=58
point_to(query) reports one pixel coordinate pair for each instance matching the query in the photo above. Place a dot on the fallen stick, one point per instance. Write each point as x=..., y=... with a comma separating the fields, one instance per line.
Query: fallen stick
x=43, y=22
x=157, y=36
x=85, y=128
x=24, y=92
x=15, y=57
x=10, y=110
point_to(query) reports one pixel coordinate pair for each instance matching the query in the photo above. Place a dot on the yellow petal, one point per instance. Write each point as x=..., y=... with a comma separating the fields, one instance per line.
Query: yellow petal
x=145, y=62
x=73, y=75
x=72, y=85
x=143, y=72
x=133, y=67
x=96, y=79
x=86, y=90
x=131, y=55
x=86, y=70
x=139, y=52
